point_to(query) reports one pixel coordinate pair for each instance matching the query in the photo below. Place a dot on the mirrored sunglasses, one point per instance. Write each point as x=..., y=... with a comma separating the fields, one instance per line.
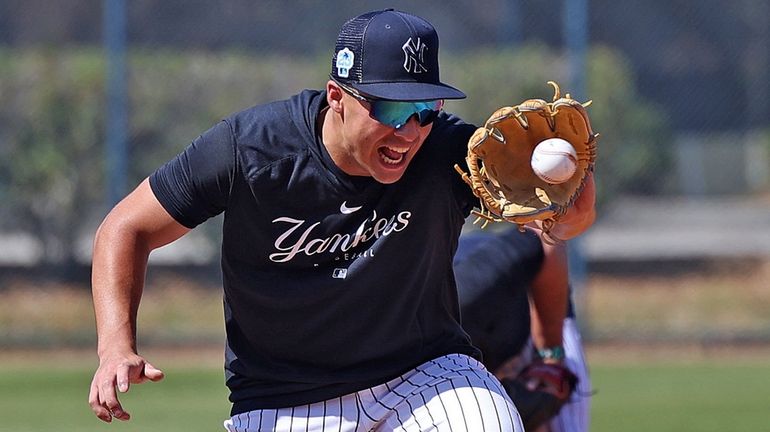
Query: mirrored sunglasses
x=396, y=113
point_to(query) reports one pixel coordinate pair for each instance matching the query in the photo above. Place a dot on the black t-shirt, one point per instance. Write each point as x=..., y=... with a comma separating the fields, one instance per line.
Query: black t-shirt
x=494, y=271
x=332, y=283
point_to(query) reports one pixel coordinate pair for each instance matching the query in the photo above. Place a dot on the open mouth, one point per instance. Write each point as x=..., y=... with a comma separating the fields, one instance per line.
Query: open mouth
x=392, y=155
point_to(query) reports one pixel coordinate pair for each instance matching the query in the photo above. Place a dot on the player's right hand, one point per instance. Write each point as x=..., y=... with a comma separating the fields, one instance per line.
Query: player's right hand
x=115, y=374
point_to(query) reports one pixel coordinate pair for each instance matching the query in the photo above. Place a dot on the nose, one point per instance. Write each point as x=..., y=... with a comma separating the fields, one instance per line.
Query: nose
x=410, y=130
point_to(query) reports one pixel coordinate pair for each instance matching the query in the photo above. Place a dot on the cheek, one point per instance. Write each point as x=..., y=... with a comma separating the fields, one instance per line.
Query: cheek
x=360, y=133
x=362, y=127
x=369, y=135
x=424, y=132
x=363, y=139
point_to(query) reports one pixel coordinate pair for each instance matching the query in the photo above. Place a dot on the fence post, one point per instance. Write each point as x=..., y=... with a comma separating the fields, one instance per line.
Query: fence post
x=575, y=34
x=114, y=22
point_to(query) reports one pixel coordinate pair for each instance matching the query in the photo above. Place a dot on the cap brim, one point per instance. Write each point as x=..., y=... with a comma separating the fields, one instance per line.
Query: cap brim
x=408, y=91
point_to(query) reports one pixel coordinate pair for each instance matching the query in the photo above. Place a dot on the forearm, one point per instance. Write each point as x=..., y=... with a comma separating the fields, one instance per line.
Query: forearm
x=546, y=326
x=122, y=245
x=118, y=271
x=136, y=226
x=549, y=296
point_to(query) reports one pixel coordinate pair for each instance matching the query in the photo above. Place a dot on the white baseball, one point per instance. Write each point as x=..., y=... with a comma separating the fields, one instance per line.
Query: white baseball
x=554, y=160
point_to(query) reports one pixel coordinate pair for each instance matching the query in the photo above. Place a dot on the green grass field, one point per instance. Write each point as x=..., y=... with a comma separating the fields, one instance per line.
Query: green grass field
x=703, y=397
x=696, y=395
x=55, y=399
x=691, y=384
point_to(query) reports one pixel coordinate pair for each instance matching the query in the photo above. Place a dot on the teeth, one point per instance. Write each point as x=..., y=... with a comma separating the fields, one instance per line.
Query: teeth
x=390, y=161
x=392, y=155
x=397, y=150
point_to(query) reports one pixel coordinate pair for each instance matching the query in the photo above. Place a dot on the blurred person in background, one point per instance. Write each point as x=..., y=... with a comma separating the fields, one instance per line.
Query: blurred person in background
x=342, y=213
x=515, y=305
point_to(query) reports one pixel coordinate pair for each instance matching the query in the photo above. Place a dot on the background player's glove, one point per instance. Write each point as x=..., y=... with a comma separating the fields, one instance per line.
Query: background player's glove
x=539, y=392
x=499, y=160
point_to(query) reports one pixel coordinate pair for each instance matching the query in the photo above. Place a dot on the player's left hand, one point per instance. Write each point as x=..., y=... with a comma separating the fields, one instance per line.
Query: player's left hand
x=501, y=175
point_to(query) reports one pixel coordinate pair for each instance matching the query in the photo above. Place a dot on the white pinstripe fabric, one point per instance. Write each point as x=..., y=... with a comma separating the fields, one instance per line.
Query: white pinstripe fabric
x=451, y=393
x=575, y=416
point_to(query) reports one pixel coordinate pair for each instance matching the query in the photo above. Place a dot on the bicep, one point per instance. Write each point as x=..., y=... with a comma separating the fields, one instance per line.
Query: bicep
x=196, y=184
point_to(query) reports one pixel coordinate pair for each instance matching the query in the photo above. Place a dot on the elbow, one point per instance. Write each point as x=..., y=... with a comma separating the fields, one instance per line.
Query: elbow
x=117, y=232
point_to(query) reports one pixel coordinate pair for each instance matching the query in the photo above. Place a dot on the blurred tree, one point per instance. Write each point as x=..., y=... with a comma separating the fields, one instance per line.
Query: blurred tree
x=635, y=147
x=52, y=121
x=51, y=118
x=634, y=155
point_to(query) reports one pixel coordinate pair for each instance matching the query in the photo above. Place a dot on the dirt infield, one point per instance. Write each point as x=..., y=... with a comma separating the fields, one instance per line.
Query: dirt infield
x=717, y=304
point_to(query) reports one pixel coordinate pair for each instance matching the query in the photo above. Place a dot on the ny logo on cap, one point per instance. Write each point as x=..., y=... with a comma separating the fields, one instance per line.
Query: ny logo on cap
x=414, y=56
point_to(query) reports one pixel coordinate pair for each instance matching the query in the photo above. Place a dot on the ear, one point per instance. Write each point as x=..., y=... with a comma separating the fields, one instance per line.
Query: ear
x=334, y=94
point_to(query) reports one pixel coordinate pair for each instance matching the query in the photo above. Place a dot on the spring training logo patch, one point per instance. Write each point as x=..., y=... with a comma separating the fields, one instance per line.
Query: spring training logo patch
x=414, y=52
x=345, y=59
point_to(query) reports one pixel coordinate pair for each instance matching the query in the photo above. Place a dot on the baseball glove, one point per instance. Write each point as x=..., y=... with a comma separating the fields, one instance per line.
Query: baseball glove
x=499, y=154
x=540, y=391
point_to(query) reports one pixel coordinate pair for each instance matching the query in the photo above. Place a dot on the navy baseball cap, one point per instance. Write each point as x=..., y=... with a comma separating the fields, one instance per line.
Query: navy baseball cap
x=391, y=55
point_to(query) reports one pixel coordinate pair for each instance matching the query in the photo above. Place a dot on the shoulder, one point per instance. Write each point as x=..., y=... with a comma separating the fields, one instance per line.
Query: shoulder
x=273, y=131
x=448, y=140
x=450, y=126
x=293, y=113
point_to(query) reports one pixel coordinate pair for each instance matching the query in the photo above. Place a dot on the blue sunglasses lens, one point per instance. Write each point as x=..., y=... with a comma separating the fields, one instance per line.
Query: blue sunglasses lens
x=396, y=114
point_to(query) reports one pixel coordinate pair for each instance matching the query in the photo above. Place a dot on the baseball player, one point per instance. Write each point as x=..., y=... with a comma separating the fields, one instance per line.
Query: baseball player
x=498, y=273
x=342, y=212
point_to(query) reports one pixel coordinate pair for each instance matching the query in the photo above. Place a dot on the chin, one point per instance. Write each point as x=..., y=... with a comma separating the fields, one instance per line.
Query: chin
x=388, y=178
x=387, y=173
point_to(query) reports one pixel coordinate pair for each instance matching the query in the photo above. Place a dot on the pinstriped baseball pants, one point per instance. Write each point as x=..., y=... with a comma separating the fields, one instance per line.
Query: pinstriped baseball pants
x=451, y=393
x=575, y=416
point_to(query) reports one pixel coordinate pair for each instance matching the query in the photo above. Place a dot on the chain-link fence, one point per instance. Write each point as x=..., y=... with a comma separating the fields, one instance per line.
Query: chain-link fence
x=679, y=89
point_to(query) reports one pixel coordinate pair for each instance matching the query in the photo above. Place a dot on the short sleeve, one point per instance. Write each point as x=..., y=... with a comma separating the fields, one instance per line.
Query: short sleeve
x=453, y=134
x=195, y=185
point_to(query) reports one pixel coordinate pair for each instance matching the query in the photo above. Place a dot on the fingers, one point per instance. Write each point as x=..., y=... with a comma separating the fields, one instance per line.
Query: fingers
x=104, y=401
x=123, y=379
x=116, y=375
x=100, y=411
x=143, y=373
x=109, y=399
x=152, y=373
